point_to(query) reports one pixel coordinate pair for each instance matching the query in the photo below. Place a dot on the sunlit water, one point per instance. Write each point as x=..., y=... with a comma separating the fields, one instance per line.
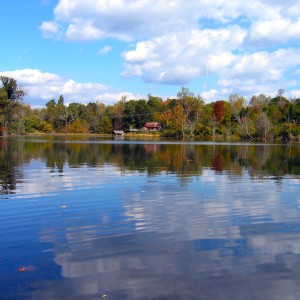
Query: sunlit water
x=118, y=219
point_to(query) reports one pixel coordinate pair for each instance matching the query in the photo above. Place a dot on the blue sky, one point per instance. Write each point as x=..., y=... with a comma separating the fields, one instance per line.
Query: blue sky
x=99, y=50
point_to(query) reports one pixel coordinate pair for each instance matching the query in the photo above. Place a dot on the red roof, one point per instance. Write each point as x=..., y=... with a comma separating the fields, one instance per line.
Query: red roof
x=152, y=125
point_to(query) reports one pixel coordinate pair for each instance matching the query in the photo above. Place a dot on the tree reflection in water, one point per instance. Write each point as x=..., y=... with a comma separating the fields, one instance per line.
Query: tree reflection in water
x=153, y=157
x=11, y=160
x=149, y=220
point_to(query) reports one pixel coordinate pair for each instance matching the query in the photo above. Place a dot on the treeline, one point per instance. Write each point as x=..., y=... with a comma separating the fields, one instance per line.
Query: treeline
x=262, y=117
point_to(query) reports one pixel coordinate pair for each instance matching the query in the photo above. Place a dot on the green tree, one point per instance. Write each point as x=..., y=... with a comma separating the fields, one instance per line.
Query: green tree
x=50, y=112
x=129, y=115
x=77, y=110
x=95, y=112
x=142, y=113
x=4, y=104
x=11, y=96
x=105, y=125
x=62, y=113
x=13, y=90
x=155, y=104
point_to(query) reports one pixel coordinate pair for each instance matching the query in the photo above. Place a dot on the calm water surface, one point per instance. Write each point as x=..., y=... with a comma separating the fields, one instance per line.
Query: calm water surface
x=92, y=218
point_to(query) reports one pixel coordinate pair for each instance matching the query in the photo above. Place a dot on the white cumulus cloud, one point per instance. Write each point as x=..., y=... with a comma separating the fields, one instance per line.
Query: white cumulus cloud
x=83, y=30
x=134, y=19
x=295, y=94
x=46, y=86
x=51, y=30
x=180, y=57
x=260, y=72
x=244, y=45
x=279, y=30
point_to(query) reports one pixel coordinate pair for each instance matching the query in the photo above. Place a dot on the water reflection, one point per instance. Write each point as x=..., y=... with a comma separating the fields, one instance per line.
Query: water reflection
x=152, y=221
x=10, y=166
x=152, y=157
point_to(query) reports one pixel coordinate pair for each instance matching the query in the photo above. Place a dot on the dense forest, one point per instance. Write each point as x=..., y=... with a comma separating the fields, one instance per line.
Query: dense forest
x=262, y=117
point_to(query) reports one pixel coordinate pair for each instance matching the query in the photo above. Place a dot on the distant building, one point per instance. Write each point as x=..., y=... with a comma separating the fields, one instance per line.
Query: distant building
x=133, y=130
x=118, y=132
x=152, y=126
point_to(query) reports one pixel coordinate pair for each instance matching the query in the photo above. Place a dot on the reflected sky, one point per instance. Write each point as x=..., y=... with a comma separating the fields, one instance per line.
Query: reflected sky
x=115, y=231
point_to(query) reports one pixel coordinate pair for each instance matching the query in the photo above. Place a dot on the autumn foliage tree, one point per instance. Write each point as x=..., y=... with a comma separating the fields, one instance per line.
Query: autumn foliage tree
x=219, y=110
x=185, y=115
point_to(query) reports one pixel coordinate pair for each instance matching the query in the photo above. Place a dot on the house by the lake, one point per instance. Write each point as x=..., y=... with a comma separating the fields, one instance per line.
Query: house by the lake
x=118, y=132
x=152, y=126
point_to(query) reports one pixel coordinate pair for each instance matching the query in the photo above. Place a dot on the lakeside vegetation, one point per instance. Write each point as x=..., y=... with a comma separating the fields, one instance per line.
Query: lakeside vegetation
x=260, y=118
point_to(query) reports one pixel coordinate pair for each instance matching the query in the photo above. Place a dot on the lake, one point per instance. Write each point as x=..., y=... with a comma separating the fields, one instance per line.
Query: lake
x=114, y=218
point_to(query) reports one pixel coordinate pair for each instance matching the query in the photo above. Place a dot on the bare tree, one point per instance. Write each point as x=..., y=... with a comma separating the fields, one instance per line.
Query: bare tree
x=246, y=126
x=263, y=125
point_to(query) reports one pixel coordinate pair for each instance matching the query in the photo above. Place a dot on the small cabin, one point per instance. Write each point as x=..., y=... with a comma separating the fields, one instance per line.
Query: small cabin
x=118, y=132
x=133, y=130
x=153, y=126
